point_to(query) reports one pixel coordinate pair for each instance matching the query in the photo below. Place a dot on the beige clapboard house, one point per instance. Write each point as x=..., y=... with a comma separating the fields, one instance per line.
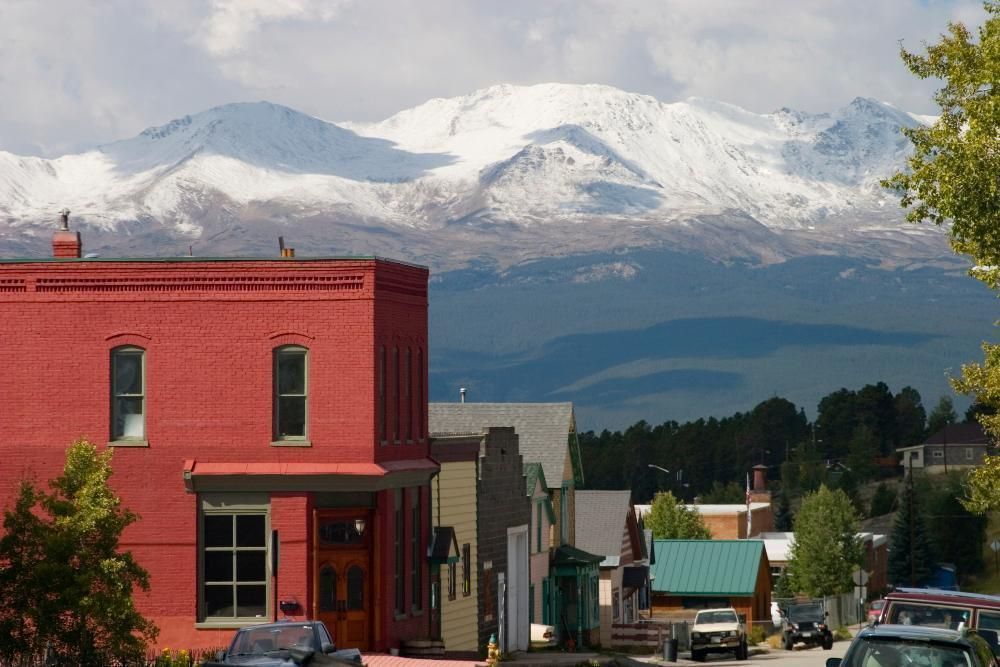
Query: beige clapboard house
x=454, y=506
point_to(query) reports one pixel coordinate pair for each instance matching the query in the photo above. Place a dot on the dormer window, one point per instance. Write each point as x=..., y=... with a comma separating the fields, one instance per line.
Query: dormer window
x=290, y=393
x=128, y=393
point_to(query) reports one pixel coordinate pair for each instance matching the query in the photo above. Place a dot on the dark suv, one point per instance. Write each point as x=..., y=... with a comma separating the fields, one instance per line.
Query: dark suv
x=285, y=644
x=806, y=622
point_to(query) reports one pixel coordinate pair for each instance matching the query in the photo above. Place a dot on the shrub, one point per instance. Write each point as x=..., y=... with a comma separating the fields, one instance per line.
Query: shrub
x=842, y=634
x=757, y=635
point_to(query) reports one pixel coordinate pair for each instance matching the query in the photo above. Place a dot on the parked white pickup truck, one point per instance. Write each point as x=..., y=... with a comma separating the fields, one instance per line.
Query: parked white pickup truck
x=718, y=630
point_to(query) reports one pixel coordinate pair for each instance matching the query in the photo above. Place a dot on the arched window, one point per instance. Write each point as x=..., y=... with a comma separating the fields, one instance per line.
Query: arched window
x=408, y=393
x=290, y=392
x=420, y=393
x=395, y=373
x=128, y=393
x=355, y=588
x=382, y=401
x=327, y=588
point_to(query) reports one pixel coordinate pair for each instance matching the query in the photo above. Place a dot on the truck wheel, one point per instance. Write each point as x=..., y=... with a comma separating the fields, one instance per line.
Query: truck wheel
x=742, y=651
x=788, y=643
x=697, y=656
x=828, y=642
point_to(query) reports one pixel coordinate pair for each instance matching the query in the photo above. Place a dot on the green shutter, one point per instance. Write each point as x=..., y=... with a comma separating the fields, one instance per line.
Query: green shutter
x=531, y=603
x=546, y=602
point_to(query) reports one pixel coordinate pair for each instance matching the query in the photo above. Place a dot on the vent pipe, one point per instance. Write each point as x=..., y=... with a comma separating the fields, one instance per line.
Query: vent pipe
x=461, y=393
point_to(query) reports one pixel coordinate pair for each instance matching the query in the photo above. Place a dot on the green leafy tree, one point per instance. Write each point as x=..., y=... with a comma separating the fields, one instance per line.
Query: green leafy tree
x=826, y=549
x=669, y=519
x=883, y=501
x=724, y=494
x=910, y=557
x=60, y=552
x=861, y=453
x=911, y=418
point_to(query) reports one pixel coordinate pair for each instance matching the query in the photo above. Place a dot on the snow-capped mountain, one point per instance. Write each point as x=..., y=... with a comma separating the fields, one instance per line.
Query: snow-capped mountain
x=508, y=171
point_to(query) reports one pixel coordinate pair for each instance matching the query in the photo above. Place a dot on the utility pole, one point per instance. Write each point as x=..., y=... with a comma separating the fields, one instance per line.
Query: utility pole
x=913, y=526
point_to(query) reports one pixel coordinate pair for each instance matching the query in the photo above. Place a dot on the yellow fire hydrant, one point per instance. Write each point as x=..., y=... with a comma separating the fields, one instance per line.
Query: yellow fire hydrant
x=492, y=652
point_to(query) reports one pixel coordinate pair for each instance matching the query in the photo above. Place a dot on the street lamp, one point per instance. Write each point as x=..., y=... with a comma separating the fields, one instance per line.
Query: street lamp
x=653, y=465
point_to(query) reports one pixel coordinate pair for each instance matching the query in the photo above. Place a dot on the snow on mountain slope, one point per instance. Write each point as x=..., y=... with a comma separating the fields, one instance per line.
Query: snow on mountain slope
x=527, y=156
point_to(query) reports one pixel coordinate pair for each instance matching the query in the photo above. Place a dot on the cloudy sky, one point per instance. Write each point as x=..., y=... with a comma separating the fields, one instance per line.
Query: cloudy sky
x=77, y=73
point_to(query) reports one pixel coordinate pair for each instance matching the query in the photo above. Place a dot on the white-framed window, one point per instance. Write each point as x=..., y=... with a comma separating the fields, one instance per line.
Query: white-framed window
x=938, y=454
x=233, y=560
x=291, y=384
x=969, y=454
x=128, y=393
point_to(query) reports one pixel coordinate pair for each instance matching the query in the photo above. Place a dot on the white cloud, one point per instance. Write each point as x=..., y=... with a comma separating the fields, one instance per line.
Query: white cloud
x=75, y=73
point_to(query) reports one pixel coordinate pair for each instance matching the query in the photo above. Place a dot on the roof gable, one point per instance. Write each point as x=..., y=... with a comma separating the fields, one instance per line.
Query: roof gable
x=543, y=429
x=601, y=519
x=706, y=567
x=960, y=434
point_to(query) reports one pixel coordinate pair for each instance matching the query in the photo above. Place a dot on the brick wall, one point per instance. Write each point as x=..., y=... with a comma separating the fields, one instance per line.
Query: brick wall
x=209, y=330
x=503, y=504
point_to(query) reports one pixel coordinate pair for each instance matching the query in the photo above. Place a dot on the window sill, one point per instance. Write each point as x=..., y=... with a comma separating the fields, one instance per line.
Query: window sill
x=229, y=624
x=128, y=443
x=400, y=617
x=291, y=443
x=416, y=613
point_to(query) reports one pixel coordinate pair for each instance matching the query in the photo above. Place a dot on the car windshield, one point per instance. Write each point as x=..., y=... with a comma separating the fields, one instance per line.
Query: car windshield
x=878, y=652
x=724, y=616
x=256, y=641
x=805, y=612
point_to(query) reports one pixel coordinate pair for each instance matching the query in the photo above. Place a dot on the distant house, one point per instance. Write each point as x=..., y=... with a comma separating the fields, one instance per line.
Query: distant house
x=606, y=525
x=540, y=534
x=954, y=447
x=547, y=436
x=700, y=574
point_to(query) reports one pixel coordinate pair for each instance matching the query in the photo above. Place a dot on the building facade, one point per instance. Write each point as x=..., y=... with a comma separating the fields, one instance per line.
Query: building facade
x=269, y=426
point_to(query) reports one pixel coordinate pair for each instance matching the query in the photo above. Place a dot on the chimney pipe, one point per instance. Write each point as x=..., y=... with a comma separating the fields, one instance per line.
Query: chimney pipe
x=759, y=477
x=65, y=243
x=461, y=393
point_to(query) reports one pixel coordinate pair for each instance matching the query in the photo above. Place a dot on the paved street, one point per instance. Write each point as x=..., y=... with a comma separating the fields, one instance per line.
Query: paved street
x=800, y=657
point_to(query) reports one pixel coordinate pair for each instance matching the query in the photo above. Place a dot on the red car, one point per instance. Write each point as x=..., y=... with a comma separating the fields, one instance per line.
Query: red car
x=874, y=610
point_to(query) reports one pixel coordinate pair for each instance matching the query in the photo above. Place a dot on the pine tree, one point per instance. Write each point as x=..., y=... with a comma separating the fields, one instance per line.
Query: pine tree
x=782, y=513
x=883, y=501
x=910, y=559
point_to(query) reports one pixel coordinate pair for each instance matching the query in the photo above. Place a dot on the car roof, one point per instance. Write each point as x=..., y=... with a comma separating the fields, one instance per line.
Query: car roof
x=700, y=611
x=914, y=633
x=278, y=625
x=944, y=596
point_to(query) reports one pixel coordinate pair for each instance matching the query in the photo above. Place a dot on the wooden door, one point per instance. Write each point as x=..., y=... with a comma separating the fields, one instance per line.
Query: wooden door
x=343, y=578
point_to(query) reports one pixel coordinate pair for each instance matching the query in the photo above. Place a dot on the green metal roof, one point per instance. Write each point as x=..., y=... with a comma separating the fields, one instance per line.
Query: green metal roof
x=706, y=567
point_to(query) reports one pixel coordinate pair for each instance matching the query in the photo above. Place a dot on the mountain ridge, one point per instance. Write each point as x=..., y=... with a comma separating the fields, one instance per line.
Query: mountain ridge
x=550, y=168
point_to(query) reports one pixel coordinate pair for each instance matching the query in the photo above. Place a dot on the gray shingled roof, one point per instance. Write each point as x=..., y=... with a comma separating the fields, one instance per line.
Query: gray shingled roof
x=600, y=523
x=542, y=428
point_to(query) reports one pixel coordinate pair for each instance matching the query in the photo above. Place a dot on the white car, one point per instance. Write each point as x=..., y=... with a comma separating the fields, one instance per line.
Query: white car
x=718, y=631
x=543, y=635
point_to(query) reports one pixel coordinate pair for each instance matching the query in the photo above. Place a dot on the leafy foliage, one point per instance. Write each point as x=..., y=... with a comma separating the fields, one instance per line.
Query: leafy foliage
x=671, y=520
x=883, y=501
x=783, y=587
x=60, y=552
x=983, y=487
x=951, y=176
x=942, y=415
x=947, y=517
x=910, y=559
x=826, y=549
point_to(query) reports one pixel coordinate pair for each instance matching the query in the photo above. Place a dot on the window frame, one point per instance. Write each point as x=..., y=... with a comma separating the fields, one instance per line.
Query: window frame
x=131, y=350
x=383, y=416
x=276, y=396
x=400, y=555
x=452, y=581
x=416, y=575
x=234, y=507
x=466, y=570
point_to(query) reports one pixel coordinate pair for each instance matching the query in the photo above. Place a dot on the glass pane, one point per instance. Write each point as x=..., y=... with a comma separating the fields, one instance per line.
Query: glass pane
x=218, y=530
x=251, y=566
x=218, y=566
x=219, y=601
x=339, y=532
x=291, y=373
x=327, y=589
x=128, y=373
x=355, y=588
x=292, y=416
x=251, y=601
x=129, y=422
x=250, y=530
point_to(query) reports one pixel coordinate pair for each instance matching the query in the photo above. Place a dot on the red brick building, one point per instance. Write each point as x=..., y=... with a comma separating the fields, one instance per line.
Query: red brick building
x=260, y=410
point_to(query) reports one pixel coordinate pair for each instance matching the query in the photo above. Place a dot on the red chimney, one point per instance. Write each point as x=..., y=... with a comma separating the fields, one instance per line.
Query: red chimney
x=760, y=477
x=65, y=244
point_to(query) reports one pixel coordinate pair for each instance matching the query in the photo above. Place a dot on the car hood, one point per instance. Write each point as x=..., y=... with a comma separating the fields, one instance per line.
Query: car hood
x=259, y=661
x=715, y=627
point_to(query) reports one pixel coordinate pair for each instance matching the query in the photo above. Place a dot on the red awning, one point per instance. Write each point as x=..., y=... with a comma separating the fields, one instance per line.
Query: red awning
x=277, y=476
